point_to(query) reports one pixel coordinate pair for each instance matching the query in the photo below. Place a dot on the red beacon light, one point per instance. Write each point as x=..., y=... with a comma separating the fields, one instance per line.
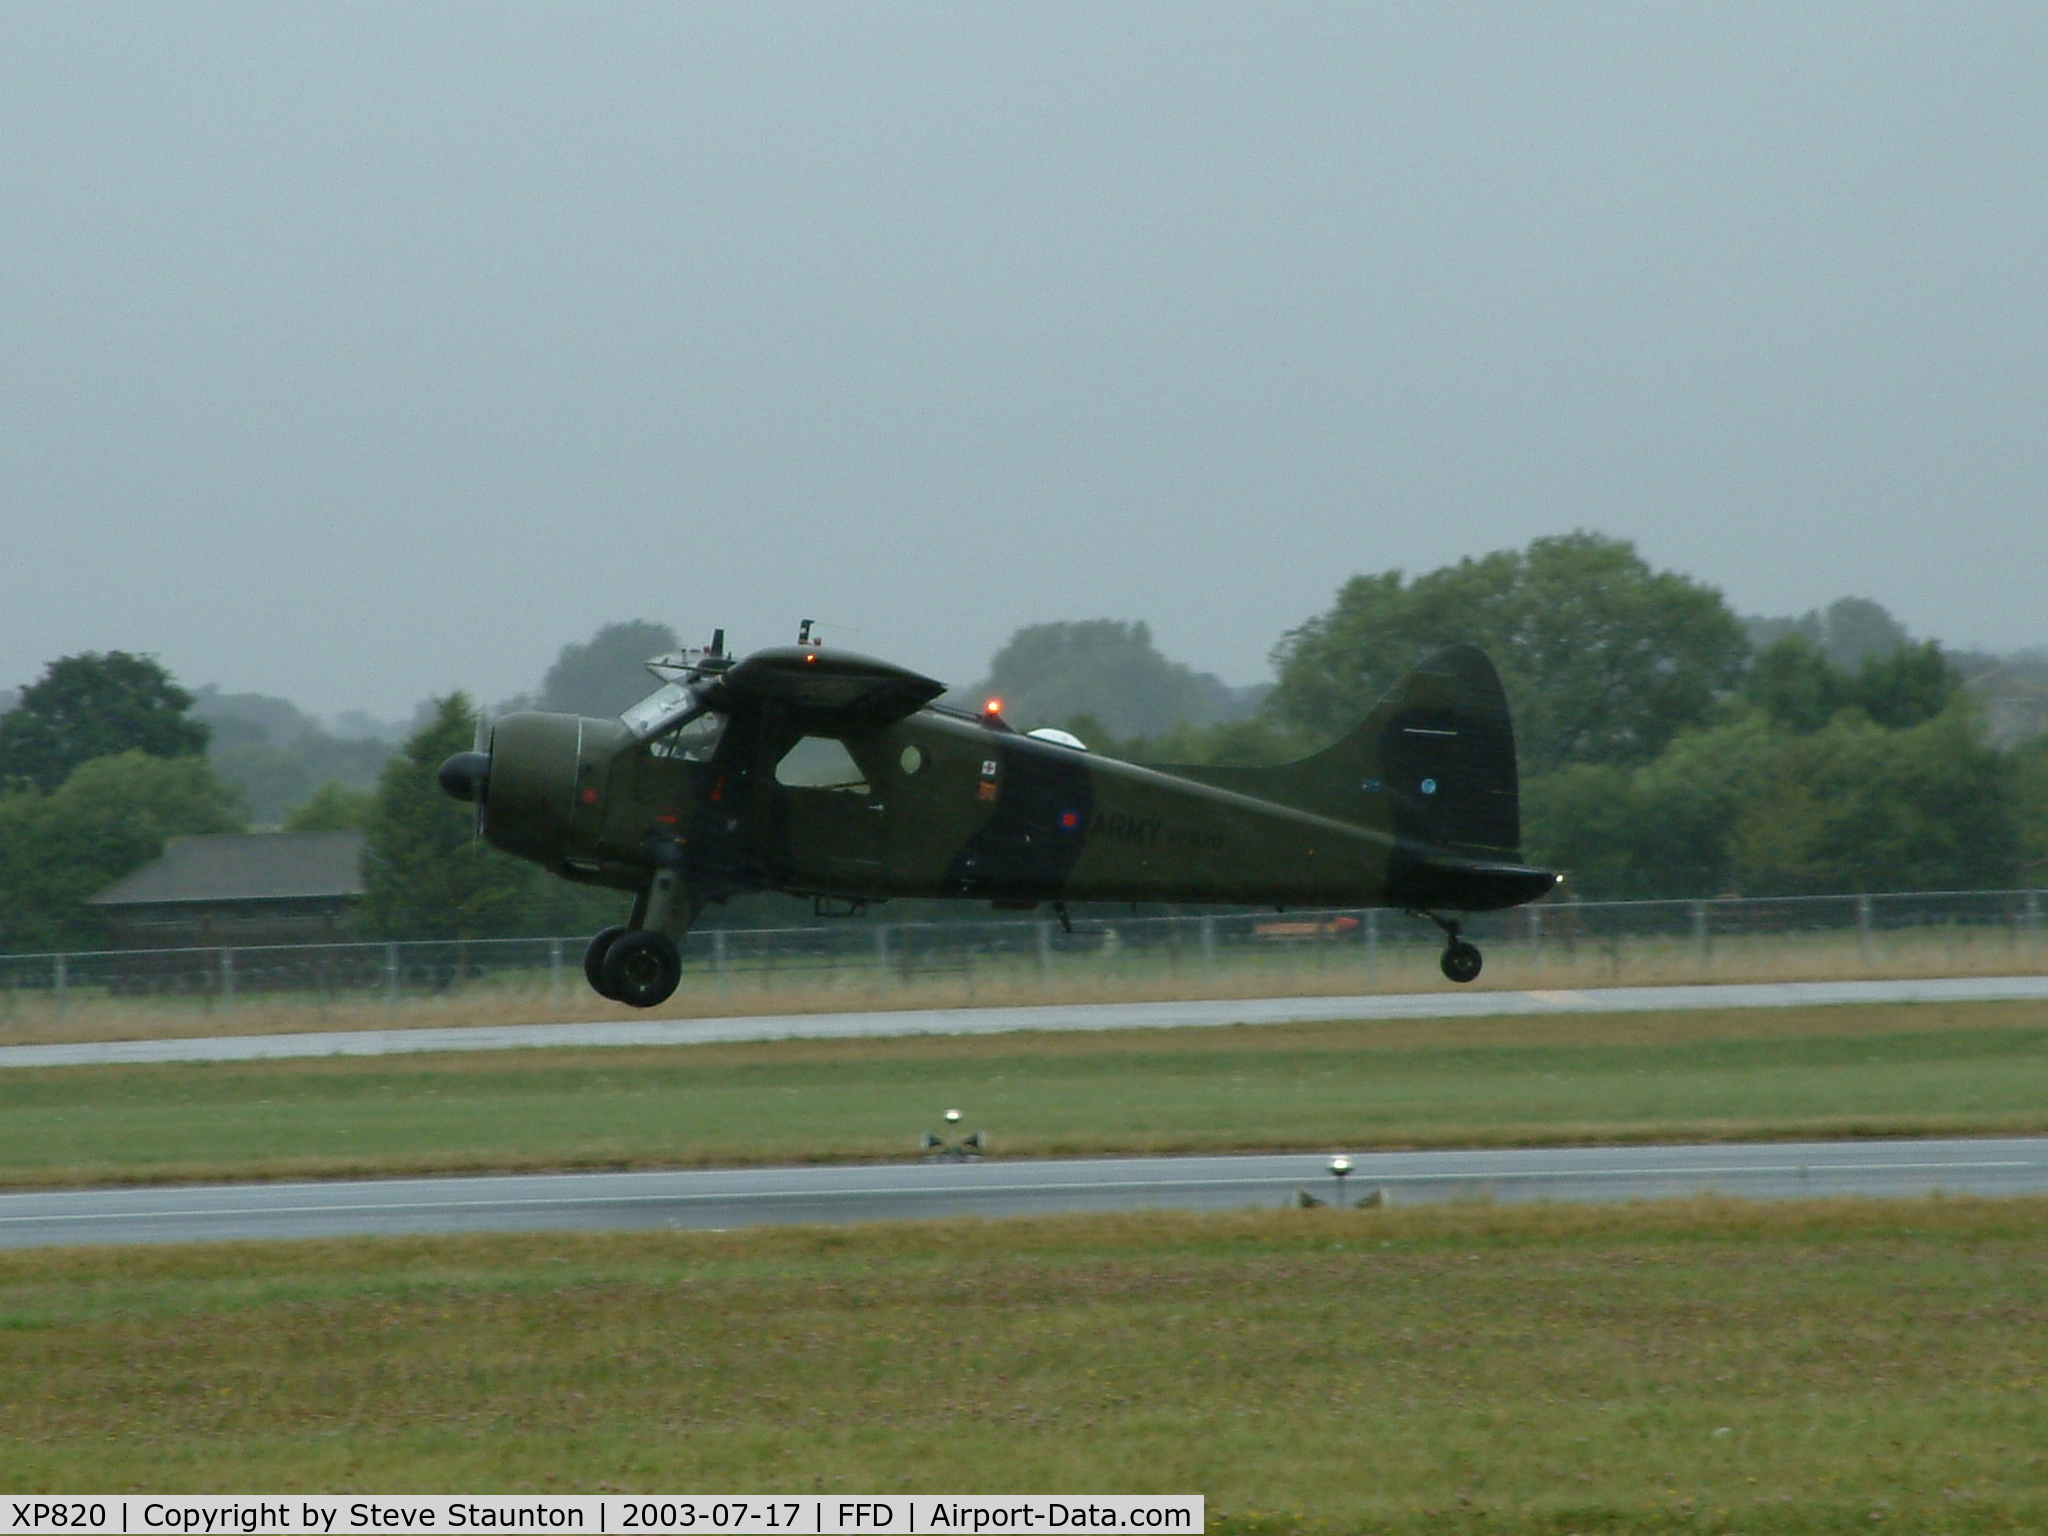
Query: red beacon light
x=993, y=708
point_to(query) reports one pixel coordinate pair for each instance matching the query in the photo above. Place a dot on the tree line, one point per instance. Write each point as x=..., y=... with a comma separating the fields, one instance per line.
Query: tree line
x=1668, y=747
x=101, y=765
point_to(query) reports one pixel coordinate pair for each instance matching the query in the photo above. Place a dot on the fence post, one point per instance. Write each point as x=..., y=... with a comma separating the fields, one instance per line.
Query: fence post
x=1863, y=928
x=718, y=958
x=1209, y=948
x=1044, y=936
x=881, y=956
x=227, y=977
x=554, y=968
x=1535, y=934
x=390, y=975
x=61, y=983
x=1699, y=933
x=1372, y=940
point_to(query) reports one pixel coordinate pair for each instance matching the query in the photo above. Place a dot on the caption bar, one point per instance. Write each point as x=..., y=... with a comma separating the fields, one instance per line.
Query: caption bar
x=603, y=1514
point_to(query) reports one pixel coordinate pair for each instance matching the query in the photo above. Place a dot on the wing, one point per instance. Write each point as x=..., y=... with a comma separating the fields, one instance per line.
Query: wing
x=825, y=692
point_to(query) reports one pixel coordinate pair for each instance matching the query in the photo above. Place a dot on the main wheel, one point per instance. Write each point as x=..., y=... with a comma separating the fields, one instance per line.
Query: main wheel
x=1461, y=961
x=643, y=968
x=594, y=956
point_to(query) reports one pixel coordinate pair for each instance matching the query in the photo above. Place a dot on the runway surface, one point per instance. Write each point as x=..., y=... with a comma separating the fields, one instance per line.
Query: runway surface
x=922, y=1191
x=1205, y=1013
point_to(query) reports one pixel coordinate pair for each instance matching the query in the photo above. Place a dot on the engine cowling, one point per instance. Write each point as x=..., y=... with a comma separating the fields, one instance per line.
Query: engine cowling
x=541, y=786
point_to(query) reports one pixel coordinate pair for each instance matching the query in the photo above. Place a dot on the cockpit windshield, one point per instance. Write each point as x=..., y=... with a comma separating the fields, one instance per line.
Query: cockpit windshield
x=695, y=739
x=670, y=705
x=675, y=722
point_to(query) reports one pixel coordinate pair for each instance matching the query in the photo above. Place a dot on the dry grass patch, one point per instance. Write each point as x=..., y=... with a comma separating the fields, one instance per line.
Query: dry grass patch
x=965, y=981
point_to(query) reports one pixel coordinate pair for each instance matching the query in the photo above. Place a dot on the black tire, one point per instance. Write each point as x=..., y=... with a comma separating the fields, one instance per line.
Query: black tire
x=643, y=968
x=1461, y=961
x=594, y=956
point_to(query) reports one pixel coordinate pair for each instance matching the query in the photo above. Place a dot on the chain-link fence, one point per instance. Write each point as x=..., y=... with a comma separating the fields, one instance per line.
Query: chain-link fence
x=854, y=961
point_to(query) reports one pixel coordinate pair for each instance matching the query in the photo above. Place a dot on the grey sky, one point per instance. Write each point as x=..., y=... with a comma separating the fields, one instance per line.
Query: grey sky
x=352, y=352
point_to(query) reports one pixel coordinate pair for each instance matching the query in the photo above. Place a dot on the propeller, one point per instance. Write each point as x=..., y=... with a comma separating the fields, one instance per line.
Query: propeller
x=467, y=775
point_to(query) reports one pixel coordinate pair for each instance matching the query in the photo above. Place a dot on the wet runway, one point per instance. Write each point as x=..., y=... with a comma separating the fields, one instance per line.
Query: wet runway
x=1204, y=1013
x=700, y=1198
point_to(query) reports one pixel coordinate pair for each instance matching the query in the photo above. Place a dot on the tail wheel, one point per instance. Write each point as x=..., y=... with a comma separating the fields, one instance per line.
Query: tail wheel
x=1461, y=961
x=594, y=958
x=642, y=968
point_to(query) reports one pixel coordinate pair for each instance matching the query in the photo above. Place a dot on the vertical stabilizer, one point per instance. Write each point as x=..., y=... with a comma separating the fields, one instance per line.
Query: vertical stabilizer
x=1433, y=763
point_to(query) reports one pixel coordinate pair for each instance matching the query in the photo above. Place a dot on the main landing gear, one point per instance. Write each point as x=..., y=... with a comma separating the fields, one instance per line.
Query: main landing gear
x=1461, y=958
x=637, y=963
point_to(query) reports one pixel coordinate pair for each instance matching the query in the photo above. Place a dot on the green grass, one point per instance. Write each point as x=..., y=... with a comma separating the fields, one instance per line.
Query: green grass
x=1824, y=1071
x=1685, y=1367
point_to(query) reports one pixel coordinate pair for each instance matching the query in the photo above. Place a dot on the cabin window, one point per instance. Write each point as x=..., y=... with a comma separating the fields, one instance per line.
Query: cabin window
x=821, y=762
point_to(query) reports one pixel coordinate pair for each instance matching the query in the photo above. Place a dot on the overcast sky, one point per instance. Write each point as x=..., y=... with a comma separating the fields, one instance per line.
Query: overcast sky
x=354, y=352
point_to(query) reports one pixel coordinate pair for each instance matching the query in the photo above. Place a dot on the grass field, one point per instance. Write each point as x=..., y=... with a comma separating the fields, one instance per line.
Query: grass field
x=32, y=1014
x=1693, y=1367
x=1907, y=1069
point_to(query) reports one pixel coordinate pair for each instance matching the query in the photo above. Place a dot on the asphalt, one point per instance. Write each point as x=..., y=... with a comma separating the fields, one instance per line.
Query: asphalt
x=1206, y=1013
x=716, y=1198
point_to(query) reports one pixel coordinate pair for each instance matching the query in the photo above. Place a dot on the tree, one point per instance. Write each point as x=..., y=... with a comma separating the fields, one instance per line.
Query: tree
x=1799, y=688
x=1906, y=686
x=334, y=807
x=109, y=818
x=1109, y=670
x=1850, y=632
x=91, y=706
x=1856, y=630
x=1858, y=807
x=425, y=873
x=608, y=671
x=2030, y=772
x=1604, y=659
x=1640, y=833
x=1795, y=685
x=1754, y=809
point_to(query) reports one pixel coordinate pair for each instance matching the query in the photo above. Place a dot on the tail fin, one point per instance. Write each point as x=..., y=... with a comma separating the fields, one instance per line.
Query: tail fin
x=1434, y=763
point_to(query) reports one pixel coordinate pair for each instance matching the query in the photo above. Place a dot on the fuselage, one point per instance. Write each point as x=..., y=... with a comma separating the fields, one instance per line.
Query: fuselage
x=933, y=805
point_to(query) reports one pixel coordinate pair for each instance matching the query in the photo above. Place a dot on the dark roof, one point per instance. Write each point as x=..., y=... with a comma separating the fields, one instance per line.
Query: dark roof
x=244, y=866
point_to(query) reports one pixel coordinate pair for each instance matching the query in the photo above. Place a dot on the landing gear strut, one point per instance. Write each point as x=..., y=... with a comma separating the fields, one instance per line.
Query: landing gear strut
x=1461, y=959
x=638, y=963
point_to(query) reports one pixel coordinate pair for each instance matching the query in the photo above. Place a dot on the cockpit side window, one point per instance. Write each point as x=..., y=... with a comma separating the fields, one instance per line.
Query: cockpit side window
x=821, y=762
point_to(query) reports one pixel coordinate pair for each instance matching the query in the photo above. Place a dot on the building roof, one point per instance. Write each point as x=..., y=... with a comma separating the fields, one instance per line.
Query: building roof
x=244, y=866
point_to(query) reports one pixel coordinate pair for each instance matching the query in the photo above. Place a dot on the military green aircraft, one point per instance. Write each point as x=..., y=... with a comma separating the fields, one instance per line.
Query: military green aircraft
x=832, y=775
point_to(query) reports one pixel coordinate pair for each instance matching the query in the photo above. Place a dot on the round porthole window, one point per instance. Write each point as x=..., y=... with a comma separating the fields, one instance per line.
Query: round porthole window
x=1429, y=786
x=912, y=759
